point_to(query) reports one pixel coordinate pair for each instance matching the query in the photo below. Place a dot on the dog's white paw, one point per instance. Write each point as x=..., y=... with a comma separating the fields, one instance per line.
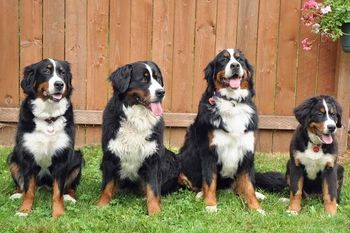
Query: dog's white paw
x=292, y=212
x=199, y=195
x=283, y=200
x=260, y=196
x=16, y=196
x=211, y=208
x=21, y=214
x=261, y=211
x=67, y=197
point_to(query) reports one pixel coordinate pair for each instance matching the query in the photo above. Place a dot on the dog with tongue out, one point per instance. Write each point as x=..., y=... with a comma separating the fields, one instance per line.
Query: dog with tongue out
x=132, y=136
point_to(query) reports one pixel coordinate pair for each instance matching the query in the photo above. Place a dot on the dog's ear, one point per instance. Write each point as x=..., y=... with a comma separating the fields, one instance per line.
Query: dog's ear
x=68, y=77
x=303, y=111
x=121, y=79
x=339, y=113
x=28, y=82
x=209, y=72
x=250, y=69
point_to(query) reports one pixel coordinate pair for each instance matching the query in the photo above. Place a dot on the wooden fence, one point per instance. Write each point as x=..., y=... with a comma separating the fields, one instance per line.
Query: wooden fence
x=182, y=36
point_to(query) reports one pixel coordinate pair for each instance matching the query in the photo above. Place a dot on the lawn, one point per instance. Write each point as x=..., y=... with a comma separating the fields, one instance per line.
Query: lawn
x=180, y=211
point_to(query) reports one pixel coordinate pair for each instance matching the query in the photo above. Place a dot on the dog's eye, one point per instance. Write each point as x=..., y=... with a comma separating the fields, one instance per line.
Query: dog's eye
x=61, y=71
x=47, y=71
x=144, y=79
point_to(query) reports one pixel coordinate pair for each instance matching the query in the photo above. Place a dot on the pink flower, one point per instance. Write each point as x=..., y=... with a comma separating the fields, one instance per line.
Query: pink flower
x=310, y=4
x=325, y=10
x=306, y=44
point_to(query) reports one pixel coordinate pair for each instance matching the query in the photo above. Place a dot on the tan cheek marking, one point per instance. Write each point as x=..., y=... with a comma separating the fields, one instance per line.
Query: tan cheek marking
x=316, y=127
x=138, y=92
x=244, y=84
x=43, y=87
x=217, y=82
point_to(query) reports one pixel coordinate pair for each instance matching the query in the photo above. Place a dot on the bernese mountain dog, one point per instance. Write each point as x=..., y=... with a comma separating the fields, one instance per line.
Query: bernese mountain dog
x=219, y=145
x=312, y=168
x=44, y=150
x=132, y=136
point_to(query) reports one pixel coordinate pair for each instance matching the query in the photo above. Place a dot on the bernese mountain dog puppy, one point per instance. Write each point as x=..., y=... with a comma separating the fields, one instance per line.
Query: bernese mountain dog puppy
x=44, y=150
x=132, y=136
x=219, y=145
x=312, y=168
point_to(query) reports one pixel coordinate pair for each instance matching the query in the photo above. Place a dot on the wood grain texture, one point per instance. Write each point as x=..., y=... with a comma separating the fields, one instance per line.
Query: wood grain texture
x=162, y=44
x=31, y=34
x=204, y=46
x=141, y=33
x=53, y=29
x=226, y=24
x=9, y=65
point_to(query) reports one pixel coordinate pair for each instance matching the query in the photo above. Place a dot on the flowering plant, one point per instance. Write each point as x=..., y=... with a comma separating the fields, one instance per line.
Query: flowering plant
x=325, y=18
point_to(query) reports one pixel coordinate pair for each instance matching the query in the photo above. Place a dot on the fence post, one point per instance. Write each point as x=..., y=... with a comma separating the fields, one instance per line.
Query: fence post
x=342, y=77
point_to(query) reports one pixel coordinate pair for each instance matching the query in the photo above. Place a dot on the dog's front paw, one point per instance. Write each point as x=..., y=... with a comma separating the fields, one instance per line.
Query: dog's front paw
x=16, y=196
x=199, y=195
x=21, y=214
x=261, y=211
x=211, y=208
x=69, y=198
x=292, y=212
x=260, y=196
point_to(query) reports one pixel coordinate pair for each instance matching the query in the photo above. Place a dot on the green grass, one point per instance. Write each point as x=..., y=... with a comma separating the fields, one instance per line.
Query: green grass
x=180, y=211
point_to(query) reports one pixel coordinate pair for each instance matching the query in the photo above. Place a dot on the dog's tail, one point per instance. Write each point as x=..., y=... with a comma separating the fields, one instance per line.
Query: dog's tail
x=170, y=170
x=271, y=181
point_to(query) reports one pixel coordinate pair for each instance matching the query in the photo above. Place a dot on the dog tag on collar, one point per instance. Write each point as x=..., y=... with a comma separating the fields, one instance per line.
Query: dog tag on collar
x=50, y=129
x=316, y=148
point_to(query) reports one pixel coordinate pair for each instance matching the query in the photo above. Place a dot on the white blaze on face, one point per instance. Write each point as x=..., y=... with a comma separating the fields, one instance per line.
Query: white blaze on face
x=329, y=121
x=54, y=79
x=228, y=70
x=155, y=105
x=155, y=86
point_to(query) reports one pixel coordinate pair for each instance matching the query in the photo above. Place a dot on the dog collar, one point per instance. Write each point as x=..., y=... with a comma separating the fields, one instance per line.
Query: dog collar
x=212, y=100
x=50, y=120
x=315, y=147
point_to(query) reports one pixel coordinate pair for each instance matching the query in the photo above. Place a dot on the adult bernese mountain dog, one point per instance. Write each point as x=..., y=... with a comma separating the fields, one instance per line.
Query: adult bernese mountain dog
x=44, y=151
x=219, y=145
x=312, y=168
x=132, y=136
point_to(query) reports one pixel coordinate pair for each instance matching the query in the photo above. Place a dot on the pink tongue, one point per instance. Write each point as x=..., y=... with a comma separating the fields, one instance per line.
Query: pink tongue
x=156, y=108
x=235, y=83
x=327, y=139
x=57, y=96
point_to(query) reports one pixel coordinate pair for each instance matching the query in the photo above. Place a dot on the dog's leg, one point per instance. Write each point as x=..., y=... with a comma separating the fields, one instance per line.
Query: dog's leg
x=209, y=176
x=244, y=186
x=296, y=180
x=340, y=177
x=28, y=197
x=107, y=193
x=329, y=190
x=153, y=199
x=57, y=200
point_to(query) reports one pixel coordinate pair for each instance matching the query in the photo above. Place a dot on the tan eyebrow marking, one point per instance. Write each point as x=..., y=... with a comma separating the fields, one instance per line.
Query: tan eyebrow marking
x=226, y=54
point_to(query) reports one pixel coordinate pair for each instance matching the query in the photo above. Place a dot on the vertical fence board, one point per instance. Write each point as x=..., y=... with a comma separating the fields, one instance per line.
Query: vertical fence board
x=141, y=33
x=266, y=65
x=204, y=46
x=326, y=68
x=307, y=71
x=119, y=44
x=287, y=67
x=162, y=43
x=248, y=27
x=31, y=43
x=9, y=65
x=76, y=51
x=226, y=25
x=182, y=80
x=97, y=62
x=53, y=29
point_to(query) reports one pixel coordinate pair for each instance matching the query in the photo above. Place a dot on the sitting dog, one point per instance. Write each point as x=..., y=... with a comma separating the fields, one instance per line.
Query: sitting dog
x=312, y=168
x=219, y=145
x=44, y=151
x=132, y=136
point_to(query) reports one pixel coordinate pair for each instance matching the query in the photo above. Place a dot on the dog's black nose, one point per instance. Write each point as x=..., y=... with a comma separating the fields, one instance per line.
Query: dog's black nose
x=58, y=85
x=331, y=128
x=160, y=93
x=234, y=66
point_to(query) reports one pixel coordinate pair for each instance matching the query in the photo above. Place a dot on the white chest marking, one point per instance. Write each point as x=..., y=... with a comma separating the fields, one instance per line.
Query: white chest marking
x=44, y=146
x=46, y=109
x=231, y=147
x=131, y=144
x=313, y=161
